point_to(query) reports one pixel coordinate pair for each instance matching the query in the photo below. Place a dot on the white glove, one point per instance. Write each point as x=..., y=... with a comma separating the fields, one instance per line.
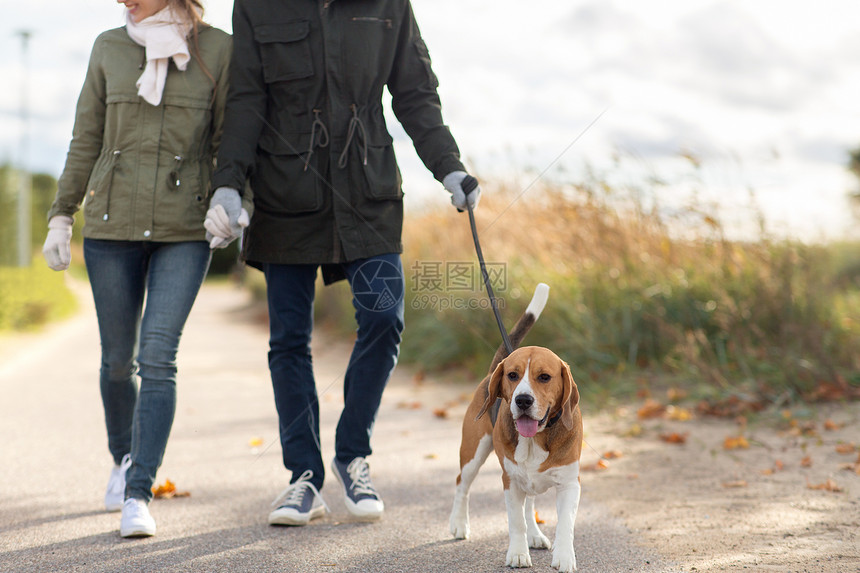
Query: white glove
x=226, y=218
x=453, y=182
x=56, y=249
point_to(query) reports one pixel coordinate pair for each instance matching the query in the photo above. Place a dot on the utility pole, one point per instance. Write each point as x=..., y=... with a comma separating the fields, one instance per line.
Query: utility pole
x=24, y=177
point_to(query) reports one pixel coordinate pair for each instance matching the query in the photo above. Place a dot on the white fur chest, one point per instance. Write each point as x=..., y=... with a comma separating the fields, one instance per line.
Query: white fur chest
x=524, y=471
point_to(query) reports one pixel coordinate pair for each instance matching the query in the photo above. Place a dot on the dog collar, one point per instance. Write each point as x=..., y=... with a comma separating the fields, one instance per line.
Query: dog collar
x=553, y=420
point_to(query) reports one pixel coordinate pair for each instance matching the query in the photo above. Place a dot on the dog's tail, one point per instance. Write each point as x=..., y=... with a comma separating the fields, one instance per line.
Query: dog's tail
x=524, y=324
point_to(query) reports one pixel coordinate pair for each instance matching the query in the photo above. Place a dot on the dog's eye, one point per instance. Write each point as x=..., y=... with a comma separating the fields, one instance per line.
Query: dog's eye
x=513, y=376
x=544, y=378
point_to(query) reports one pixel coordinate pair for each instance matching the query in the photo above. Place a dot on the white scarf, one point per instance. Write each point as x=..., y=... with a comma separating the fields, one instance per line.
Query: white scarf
x=164, y=36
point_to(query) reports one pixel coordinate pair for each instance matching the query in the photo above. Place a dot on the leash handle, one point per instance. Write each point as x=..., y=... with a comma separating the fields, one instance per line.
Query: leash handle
x=468, y=184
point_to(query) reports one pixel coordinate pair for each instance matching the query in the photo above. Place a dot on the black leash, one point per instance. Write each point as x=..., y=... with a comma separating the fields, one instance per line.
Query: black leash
x=468, y=185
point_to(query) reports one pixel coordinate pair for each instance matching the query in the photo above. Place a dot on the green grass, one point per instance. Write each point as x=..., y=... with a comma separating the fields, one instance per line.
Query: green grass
x=32, y=296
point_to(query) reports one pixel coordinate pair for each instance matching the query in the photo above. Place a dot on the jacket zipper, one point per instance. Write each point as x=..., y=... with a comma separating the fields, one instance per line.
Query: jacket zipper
x=385, y=21
x=116, y=154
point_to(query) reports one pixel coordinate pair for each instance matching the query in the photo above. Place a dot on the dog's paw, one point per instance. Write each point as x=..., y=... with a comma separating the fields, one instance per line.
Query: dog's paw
x=517, y=559
x=538, y=540
x=458, y=522
x=564, y=561
x=460, y=530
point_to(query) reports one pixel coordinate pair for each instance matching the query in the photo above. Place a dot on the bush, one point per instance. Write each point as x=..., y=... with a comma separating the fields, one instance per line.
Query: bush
x=31, y=297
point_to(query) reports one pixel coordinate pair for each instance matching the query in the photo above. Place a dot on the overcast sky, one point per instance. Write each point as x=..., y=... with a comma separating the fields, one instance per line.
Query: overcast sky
x=765, y=93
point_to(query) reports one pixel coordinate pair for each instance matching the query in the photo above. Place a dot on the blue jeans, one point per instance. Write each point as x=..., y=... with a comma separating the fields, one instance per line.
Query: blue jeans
x=141, y=340
x=377, y=287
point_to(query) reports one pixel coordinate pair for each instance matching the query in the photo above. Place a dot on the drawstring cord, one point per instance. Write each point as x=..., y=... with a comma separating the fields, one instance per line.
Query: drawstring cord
x=354, y=123
x=323, y=137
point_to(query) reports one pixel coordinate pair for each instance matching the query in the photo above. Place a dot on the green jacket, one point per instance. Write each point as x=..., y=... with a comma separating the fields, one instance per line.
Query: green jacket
x=304, y=122
x=143, y=171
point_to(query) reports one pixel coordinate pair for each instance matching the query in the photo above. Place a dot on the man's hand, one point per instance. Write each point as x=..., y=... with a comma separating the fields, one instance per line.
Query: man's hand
x=453, y=182
x=225, y=219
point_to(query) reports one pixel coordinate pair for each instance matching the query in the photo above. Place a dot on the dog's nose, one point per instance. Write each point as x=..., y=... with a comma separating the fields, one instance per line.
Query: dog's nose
x=524, y=401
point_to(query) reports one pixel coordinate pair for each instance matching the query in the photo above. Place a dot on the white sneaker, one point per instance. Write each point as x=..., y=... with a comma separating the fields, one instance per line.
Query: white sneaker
x=115, y=494
x=136, y=521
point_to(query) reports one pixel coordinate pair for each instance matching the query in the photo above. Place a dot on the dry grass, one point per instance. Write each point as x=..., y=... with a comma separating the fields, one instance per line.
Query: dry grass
x=635, y=292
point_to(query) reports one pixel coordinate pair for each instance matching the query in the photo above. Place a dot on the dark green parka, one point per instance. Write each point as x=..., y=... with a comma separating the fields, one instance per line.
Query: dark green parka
x=304, y=123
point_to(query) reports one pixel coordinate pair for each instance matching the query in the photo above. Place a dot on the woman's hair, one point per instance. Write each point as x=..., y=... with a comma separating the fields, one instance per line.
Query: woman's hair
x=192, y=12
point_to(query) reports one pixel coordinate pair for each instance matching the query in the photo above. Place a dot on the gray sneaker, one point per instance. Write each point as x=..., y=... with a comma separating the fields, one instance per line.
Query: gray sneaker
x=361, y=498
x=299, y=503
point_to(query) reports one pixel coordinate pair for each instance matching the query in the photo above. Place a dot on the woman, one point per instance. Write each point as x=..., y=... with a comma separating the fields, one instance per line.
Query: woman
x=146, y=131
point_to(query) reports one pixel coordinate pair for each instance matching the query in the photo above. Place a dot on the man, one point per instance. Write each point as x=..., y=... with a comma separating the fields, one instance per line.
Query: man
x=305, y=127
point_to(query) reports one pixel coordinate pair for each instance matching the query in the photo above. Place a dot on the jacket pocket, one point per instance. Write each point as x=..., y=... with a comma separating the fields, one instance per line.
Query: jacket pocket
x=424, y=58
x=366, y=43
x=180, y=198
x=285, y=50
x=97, y=206
x=282, y=185
x=382, y=174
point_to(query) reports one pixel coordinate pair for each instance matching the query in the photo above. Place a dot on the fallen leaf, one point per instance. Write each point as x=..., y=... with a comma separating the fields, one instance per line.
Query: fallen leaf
x=829, y=485
x=599, y=465
x=612, y=454
x=675, y=394
x=409, y=405
x=808, y=429
x=678, y=414
x=168, y=490
x=255, y=442
x=440, y=413
x=735, y=443
x=651, y=409
x=731, y=407
x=806, y=462
x=674, y=438
x=852, y=468
x=845, y=449
x=431, y=456
x=833, y=391
x=832, y=426
x=735, y=484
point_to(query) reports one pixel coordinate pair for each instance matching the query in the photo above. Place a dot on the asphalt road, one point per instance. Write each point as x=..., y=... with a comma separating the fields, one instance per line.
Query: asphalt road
x=225, y=453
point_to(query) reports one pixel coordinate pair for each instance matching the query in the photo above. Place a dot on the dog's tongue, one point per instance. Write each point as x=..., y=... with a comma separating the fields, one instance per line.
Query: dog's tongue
x=527, y=427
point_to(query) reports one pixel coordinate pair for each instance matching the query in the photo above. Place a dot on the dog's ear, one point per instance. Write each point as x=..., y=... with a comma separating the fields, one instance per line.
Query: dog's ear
x=569, y=396
x=494, y=387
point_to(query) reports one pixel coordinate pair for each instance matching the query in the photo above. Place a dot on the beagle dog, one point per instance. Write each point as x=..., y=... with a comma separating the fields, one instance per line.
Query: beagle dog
x=537, y=436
